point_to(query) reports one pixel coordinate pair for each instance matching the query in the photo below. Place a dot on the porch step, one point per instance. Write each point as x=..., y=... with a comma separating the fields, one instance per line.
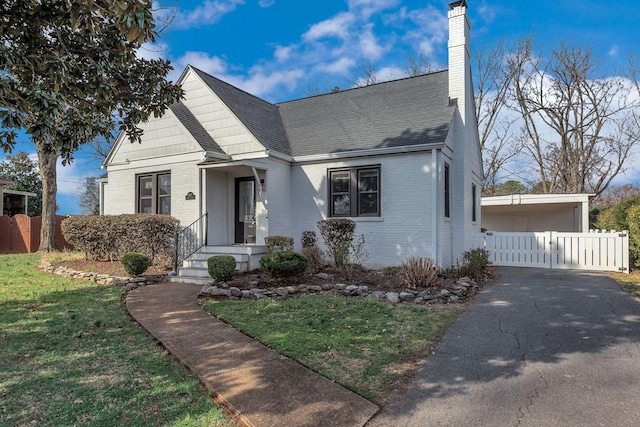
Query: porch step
x=247, y=258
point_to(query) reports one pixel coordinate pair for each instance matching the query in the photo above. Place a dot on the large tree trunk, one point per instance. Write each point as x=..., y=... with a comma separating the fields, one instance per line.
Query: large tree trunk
x=47, y=163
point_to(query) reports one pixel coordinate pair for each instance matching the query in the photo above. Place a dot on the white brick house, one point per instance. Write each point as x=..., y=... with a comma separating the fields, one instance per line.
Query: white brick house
x=400, y=158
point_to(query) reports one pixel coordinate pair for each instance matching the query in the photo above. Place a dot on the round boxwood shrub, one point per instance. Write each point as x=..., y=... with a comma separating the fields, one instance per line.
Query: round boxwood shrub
x=221, y=267
x=285, y=264
x=135, y=263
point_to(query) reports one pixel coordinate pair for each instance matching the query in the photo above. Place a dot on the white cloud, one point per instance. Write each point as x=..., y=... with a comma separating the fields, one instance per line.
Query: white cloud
x=209, y=12
x=69, y=178
x=431, y=29
x=338, y=67
x=261, y=83
x=366, y=8
x=283, y=53
x=487, y=13
x=369, y=46
x=613, y=52
x=201, y=60
x=338, y=26
x=266, y=3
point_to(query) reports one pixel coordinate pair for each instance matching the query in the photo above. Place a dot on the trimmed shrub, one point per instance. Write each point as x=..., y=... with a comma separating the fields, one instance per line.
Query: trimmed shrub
x=309, y=239
x=311, y=251
x=107, y=237
x=221, y=267
x=337, y=234
x=314, y=258
x=278, y=244
x=418, y=272
x=283, y=265
x=135, y=263
x=474, y=263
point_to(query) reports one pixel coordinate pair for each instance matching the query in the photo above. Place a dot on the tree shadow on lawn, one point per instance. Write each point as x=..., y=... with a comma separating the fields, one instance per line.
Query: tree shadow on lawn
x=75, y=357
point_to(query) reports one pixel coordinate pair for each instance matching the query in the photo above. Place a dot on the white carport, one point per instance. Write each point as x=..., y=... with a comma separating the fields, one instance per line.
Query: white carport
x=536, y=212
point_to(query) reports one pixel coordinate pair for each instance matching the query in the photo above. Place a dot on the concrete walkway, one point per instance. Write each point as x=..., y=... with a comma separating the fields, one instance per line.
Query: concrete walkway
x=265, y=388
x=538, y=348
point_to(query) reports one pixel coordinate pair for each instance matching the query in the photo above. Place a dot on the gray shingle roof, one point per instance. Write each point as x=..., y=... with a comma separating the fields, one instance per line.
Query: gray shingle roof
x=194, y=127
x=399, y=113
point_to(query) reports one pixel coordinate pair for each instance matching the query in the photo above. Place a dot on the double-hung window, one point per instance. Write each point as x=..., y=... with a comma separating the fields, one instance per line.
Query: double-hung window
x=354, y=192
x=154, y=193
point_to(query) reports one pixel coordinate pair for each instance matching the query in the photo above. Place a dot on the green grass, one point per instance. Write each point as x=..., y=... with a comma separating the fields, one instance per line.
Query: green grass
x=629, y=282
x=365, y=345
x=71, y=356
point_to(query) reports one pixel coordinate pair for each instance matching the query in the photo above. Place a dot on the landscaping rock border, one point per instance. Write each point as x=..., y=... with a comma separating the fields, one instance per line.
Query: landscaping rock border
x=462, y=289
x=101, y=279
x=459, y=292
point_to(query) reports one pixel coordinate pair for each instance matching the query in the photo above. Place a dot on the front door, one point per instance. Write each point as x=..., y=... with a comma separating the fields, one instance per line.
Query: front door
x=245, y=210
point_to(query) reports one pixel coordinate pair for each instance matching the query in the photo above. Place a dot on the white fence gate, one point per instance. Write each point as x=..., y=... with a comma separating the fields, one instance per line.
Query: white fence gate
x=607, y=251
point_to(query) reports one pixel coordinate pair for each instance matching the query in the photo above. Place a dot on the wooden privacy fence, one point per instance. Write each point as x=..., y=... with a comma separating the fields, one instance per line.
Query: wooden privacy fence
x=605, y=251
x=20, y=234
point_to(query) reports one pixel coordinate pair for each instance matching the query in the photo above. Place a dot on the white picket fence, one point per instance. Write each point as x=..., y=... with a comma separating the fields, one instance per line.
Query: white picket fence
x=596, y=250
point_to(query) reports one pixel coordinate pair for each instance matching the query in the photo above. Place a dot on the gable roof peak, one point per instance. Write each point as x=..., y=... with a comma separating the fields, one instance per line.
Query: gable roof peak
x=204, y=75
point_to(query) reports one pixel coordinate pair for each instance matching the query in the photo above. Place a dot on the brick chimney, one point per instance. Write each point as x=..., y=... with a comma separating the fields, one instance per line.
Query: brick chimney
x=460, y=87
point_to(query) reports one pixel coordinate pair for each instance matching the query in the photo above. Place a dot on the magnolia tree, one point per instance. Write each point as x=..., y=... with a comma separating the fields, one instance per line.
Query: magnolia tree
x=69, y=74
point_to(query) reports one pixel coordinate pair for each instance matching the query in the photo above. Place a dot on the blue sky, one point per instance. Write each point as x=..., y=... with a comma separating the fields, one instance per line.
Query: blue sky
x=278, y=49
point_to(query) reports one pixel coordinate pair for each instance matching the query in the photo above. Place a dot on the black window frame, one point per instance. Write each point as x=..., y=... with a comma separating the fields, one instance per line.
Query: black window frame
x=155, y=195
x=447, y=191
x=355, y=191
x=474, y=202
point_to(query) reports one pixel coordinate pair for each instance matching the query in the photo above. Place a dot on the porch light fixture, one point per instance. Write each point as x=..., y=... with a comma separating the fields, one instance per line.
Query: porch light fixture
x=190, y=196
x=264, y=186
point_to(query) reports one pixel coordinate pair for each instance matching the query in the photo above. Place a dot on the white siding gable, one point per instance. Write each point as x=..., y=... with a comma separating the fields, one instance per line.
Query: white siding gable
x=218, y=120
x=163, y=136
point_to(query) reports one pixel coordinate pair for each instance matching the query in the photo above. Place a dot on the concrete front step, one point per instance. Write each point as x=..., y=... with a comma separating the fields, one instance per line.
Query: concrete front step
x=247, y=258
x=189, y=279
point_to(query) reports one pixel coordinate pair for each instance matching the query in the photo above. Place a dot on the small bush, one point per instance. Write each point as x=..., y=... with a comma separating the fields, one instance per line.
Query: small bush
x=309, y=239
x=418, y=272
x=633, y=220
x=337, y=234
x=474, y=263
x=135, y=263
x=283, y=265
x=314, y=258
x=616, y=217
x=221, y=267
x=278, y=244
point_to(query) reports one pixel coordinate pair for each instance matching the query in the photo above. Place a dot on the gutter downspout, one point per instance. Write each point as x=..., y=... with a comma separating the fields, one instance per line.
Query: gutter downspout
x=434, y=207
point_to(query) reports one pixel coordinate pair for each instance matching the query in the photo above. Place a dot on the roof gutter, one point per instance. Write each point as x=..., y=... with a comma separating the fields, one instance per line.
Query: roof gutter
x=368, y=152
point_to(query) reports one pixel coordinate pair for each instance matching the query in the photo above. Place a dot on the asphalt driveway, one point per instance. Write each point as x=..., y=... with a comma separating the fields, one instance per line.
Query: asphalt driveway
x=538, y=348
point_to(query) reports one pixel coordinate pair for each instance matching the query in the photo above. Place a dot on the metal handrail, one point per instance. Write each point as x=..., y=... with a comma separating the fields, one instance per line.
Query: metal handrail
x=189, y=240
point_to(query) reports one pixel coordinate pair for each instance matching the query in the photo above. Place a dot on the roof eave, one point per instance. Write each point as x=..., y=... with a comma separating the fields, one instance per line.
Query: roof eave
x=368, y=152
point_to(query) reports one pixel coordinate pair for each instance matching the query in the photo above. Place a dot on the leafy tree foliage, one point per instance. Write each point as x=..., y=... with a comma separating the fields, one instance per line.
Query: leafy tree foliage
x=24, y=173
x=69, y=69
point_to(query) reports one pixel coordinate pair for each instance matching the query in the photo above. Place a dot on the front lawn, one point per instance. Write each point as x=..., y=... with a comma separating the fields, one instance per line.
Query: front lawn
x=368, y=346
x=70, y=355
